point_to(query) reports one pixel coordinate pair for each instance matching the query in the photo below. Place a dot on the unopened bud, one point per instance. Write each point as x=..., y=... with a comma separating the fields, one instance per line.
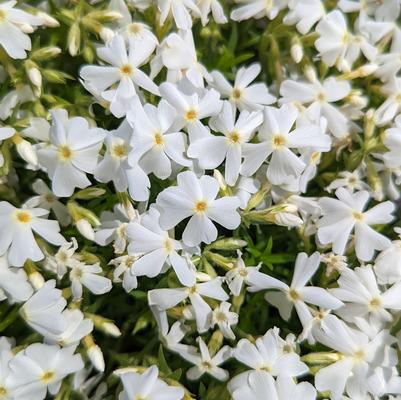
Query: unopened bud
x=36, y=280
x=94, y=353
x=26, y=28
x=85, y=229
x=287, y=219
x=25, y=150
x=106, y=34
x=35, y=77
x=297, y=52
x=48, y=20
x=74, y=39
x=310, y=74
x=228, y=244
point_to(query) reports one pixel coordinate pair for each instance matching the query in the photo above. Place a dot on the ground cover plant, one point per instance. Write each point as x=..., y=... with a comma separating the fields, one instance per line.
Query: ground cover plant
x=199, y=199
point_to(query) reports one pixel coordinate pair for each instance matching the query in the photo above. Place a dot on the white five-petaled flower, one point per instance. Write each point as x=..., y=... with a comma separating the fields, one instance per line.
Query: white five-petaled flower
x=13, y=27
x=276, y=139
x=123, y=69
x=155, y=145
x=212, y=150
x=340, y=217
x=147, y=386
x=16, y=233
x=196, y=198
x=74, y=151
x=206, y=364
x=297, y=294
x=156, y=249
x=243, y=93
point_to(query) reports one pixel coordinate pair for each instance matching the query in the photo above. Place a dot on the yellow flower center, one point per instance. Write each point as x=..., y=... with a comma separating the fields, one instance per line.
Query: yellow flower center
x=357, y=215
x=192, y=290
x=23, y=216
x=221, y=317
x=236, y=95
x=278, y=141
x=126, y=69
x=234, y=137
x=159, y=139
x=206, y=365
x=293, y=295
x=375, y=303
x=119, y=150
x=200, y=206
x=134, y=28
x=191, y=115
x=47, y=376
x=321, y=97
x=3, y=391
x=2, y=18
x=64, y=153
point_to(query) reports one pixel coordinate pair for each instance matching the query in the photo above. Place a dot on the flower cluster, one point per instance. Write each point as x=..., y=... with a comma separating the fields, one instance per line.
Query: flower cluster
x=198, y=199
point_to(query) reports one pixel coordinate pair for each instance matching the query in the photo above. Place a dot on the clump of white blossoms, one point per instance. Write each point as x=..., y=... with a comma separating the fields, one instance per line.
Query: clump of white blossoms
x=199, y=199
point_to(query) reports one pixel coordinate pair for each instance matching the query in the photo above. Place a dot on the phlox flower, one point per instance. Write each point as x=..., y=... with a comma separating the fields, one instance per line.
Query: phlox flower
x=13, y=27
x=196, y=198
x=276, y=139
x=260, y=385
x=155, y=145
x=148, y=386
x=304, y=14
x=224, y=319
x=165, y=299
x=211, y=6
x=212, y=150
x=243, y=93
x=257, y=9
x=17, y=226
x=206, y=364
x=74, y=151
x=157, y=250
x=340, y=217
x=41, y=368
x=297, y=294
x=180, y=11
x=123, y=70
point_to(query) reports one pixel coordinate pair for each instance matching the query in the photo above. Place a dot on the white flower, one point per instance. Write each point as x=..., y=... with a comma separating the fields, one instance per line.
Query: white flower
x=113, y=229
x=12, y=36
x=244, y=94
x=114, y=165
x=212, y=150
x=5, y=372
x=297, y=294
x=196, y=198
x=87, y=275
x=392, y=141
x=238, y=275
x=205, y=364
x=349, y=180
x=147, y=386
x=359, y=356
x=74, y=151
x=43, y=311
x=167, y=298
x=41, y=368
x=191, y=108
x=14, y=283
x=276, y=140
x=180, y=10
x=155, y=145
x=260, y=385
x=224, y=318
x=340, y=217
x=257, y=9
x=77, y=328
x=392, y=105
x=388, y=264
x=266, y=355
x=16, y=233
x=359, y=290
x=124, y=266
x=156, y=249
x=320, y=96
x=304, y=14
x=213, y=6
x=47, y=200
x=123, y=70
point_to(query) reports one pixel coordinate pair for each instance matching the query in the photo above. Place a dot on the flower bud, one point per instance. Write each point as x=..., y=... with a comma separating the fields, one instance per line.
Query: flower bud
x=74, y=39
x=94, y=353
x=297, y=52
x=25, y=150
x=48, y=20
x=85, y=229
x=36, y=280
x=310, y=74
x=26, y=28
x=287, y=219
x=106, y=34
